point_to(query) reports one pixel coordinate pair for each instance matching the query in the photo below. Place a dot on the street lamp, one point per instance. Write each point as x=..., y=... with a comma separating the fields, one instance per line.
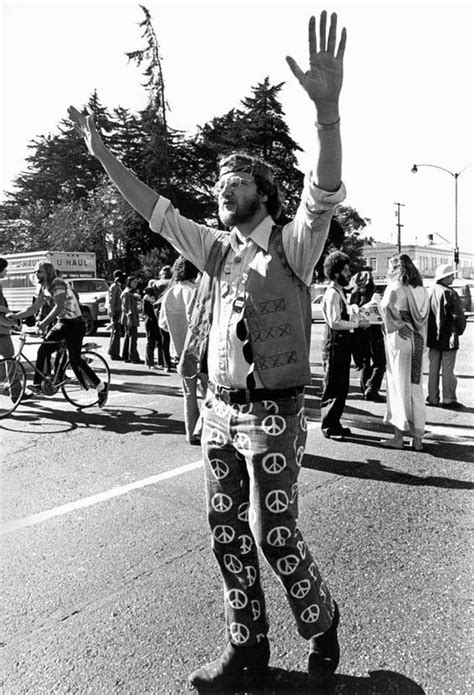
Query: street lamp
x=455, y=175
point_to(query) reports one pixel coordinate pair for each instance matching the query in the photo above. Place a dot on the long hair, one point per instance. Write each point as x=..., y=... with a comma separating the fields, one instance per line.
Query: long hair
x=184, y=270
x=263, y=175
x=49, y=272
x=335, y=263
x=405, y=270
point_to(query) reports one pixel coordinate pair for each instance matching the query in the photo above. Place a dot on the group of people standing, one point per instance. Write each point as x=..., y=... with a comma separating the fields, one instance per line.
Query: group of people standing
x=250, y=329
x=166, y=308
x=411, y=319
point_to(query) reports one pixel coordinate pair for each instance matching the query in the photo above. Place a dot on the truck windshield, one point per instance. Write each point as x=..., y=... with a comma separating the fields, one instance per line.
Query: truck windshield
x=90, y=285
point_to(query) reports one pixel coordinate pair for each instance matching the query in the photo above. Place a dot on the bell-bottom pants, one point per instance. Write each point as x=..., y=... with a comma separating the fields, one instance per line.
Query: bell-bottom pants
x=252, y=457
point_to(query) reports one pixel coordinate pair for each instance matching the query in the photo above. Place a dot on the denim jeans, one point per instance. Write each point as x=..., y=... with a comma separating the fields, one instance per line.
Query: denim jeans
x=252, y=458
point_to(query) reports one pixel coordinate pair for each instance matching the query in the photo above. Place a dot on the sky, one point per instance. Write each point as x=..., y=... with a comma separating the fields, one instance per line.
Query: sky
x=407, y=93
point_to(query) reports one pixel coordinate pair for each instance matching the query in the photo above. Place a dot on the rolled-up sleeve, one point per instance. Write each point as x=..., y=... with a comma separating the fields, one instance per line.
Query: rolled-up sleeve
x=304, y=237
x=190, y=239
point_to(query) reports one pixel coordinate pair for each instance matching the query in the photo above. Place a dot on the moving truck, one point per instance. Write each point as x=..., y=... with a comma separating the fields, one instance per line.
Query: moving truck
x=78, y=267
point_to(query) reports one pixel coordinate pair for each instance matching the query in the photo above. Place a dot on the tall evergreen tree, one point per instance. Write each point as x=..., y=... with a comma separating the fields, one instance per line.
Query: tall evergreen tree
x=258, y=128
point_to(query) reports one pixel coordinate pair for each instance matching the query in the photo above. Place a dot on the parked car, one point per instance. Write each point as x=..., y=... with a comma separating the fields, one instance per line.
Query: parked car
x=316, y=309
x=93, y=295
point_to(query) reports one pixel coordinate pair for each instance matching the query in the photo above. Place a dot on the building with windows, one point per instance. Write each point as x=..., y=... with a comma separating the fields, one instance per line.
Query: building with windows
x=426, y=258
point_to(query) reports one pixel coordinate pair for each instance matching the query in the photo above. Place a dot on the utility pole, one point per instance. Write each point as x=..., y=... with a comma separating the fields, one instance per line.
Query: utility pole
x=399, y=226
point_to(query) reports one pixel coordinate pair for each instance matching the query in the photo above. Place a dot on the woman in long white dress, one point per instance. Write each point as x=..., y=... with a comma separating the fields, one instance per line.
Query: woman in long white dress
x=405, y=308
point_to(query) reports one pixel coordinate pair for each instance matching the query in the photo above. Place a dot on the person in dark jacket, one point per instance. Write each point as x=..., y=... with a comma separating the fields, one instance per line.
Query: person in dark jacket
x=337, y=344
x=368, y=349
x=115, y=313
x=446, y=322
x=130, y=320
x=151, y=326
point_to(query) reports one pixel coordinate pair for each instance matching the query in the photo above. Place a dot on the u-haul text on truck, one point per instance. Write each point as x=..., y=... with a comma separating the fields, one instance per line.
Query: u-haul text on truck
x=78, y=267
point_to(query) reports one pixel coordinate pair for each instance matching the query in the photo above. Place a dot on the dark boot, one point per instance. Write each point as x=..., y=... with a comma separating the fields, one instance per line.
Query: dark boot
x=323, y=657
x=237, y=667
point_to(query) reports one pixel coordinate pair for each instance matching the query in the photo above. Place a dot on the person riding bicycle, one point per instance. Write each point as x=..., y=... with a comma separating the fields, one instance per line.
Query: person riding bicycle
x=69, y=327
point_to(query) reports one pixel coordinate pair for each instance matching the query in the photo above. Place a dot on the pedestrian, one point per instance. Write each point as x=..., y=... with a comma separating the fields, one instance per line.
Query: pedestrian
x=405, y=306
x=161, y=285
x=252, y=316
x=446, y=322
x=114, y=311
x=66, y=324
x=368, y=348
x=175, y=315
x=337, y=344
x=7, y=381
x=150, y=321
x=130, y=320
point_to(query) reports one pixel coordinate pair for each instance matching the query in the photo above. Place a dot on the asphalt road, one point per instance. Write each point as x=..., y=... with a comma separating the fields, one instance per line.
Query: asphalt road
x=109, y=584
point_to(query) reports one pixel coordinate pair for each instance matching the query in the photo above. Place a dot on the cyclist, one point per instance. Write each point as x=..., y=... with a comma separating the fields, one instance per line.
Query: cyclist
x=6, y=344
x=69, y=327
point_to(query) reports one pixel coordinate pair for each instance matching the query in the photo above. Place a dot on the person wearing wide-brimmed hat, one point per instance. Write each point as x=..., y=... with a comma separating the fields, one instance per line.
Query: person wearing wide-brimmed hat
x=446, y=323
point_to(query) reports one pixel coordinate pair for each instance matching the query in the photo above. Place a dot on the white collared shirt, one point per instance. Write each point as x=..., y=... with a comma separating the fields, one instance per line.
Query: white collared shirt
x=303, y=241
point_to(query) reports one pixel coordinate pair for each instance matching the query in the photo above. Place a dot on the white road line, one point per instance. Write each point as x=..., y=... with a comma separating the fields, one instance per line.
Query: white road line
x=94, y=499
x=152, y=480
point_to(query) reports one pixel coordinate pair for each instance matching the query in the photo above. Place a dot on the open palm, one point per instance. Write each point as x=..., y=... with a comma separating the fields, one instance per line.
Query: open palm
x=323, y=80
x=85, y=126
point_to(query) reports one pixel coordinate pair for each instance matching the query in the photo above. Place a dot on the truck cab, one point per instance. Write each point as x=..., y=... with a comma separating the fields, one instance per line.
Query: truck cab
x=93, y=295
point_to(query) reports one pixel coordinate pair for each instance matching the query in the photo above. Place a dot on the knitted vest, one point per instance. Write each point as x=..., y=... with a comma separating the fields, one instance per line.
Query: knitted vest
x=277, y=312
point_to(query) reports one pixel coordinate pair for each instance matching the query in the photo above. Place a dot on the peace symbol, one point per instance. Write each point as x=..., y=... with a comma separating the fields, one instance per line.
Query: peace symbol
x=271, y=407
x=223, y=534
x=299, y=456
x=300, y=589
x=256, y=609
x=310, y=614
x=233, y=563
x=274, y=463
x=274, y=425
x=251, y=574
x=277, y=501
x=237, y=598
x=240, y=633
x=302, y=419
x=246, y=544
x=322, y=591
x=243, y=512
x=313, y=570
x=302, y=548
x=216, y=437
x=219, y=468
x=278, y=536
x=294, y=492
x=242, y=442
x=288, y=564
x=221, y=502
x=246, y=408
x=220, y=408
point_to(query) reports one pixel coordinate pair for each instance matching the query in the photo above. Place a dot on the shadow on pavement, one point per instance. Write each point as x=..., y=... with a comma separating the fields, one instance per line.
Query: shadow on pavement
x=373, y=469
x=282, y=682
x=120, y=420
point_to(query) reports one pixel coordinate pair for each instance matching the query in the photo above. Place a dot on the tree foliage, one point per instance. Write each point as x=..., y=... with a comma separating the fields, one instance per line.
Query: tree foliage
x=64, y=201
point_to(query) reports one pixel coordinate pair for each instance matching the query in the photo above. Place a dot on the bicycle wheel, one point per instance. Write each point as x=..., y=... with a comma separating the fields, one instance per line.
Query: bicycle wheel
x=12, y=385
x=85, y=396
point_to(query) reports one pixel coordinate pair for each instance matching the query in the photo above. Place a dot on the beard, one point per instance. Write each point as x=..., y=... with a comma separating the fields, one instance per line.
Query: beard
x=242, y=213
x=342, y=280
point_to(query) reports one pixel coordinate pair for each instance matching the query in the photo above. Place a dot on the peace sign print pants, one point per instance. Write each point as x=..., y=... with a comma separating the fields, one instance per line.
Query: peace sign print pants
x=252, y=457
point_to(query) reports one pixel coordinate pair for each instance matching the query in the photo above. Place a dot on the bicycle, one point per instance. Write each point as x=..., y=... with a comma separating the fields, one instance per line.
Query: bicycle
x=13, y=376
